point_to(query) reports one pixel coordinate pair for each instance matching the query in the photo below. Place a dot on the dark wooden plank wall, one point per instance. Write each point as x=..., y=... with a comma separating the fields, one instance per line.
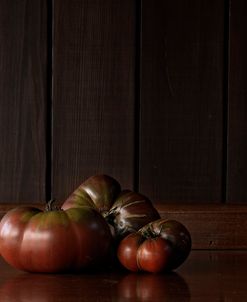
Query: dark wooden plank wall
x=182, y=100
x=143, y=99
x=237, y=111
x=93, y=105
x=23, y=96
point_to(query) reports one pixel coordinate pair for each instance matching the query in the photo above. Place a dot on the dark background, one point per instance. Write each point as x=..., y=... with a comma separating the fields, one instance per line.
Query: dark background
x=150, y=92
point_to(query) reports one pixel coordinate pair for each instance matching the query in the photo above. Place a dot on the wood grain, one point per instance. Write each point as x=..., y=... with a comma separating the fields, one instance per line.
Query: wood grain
x=211, y=226
x=237, y=142
x=93, y=105
x=23, y=89
x=181, y=100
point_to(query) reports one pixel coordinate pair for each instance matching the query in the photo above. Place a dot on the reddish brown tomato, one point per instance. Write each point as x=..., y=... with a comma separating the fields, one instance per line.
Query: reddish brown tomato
x=126, y=211
x=161, y=245
x=127, y=251
x=153, y=255
x=54, y=240
x=137, y=253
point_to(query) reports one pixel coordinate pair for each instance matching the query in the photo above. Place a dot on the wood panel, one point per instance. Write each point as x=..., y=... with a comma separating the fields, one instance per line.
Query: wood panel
x=93, y=106
x=212, y=226
x=23, y=95
x=182, y=100
x=237, y=125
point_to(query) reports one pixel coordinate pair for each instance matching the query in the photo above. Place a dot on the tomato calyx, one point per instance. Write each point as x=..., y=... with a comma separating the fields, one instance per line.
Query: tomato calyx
x=147, y=233
x=50, y=206
x=109, y=215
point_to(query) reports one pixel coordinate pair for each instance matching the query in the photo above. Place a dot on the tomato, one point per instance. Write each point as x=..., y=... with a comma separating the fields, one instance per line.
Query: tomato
x=161, y=245
x=54, y=240
x=157, y=249
x=137, y=253
x=126, y=211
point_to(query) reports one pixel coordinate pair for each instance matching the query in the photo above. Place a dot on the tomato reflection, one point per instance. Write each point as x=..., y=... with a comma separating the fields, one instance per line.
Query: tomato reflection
x=100, y=287
x=61, y=287
x=153, y=287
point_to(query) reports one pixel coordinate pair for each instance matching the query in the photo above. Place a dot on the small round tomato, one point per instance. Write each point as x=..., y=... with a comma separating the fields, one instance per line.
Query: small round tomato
x=161, y=245
x=153, y=256
x=135, y=252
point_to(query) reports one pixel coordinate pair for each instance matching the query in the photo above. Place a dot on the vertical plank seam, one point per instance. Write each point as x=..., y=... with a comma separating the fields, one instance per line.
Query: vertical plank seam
x=137, y=109
x=225, y=146
x=49, y=117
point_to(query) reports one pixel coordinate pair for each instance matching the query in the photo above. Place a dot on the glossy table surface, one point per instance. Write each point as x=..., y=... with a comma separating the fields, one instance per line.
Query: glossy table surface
x=205, y=276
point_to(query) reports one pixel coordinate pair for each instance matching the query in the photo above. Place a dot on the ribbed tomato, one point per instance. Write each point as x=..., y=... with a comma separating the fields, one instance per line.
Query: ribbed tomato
x=126, y=211
x=161, y=245
x=54, y=240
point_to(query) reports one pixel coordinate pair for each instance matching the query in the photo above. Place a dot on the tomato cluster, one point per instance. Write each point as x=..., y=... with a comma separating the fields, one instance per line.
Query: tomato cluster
x=161, y=245
x=126, y=211
x=80, y=234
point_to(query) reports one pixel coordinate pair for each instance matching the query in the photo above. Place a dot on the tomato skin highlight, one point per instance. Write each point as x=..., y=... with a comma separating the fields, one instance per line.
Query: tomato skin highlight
x=127, y=251
x=153, y=255
x=54, y=241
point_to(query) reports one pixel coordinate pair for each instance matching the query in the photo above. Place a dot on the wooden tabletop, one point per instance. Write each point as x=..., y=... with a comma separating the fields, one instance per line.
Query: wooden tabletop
x=205, y=276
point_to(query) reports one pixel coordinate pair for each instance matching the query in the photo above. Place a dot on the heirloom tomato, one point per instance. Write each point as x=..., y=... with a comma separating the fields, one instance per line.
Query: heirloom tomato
x=54, y=240
x=125, y=211
x=161, y=245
